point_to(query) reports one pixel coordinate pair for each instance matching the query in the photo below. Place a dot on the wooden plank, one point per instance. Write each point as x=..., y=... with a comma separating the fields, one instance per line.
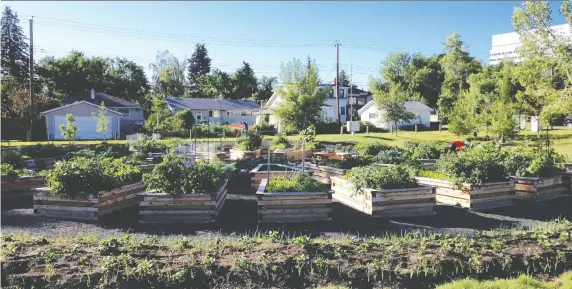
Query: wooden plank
x=118, y=206
x=452, y=201
x=396, y=207
x=406, y=201
x=66, y=208
x=294, y=194
x=118, y=200
x=176, y=212
x=493, y=195
x=177, y=202
x=292, y=206
x=293, y=211
x=486, y=191
x=285, y=202
x=359, y=206
x=446, y=192
x=398, y=197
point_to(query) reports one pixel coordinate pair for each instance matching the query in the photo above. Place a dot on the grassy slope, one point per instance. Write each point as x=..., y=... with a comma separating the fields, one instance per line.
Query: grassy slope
x=564, y=281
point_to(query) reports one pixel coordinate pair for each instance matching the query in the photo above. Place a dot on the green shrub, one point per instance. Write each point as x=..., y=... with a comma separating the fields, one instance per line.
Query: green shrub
x=249, y=142
x=369, y=149
x=13, y=158
x=391, y=156
x=149, y=146
x=45, y=151
x=173, y=178
x=347, y=163
x=111, y=150
x=281, y=143
x=524, y=161
x=8, y=172
x=478, y=165
x=295, y=183
x=434, y=175
x=424, y=149
x=264, y=127
x=83, y=176
x=378, y=178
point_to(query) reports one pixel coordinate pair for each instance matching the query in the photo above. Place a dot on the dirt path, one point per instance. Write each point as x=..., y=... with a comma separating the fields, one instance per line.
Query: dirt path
x=239, y=217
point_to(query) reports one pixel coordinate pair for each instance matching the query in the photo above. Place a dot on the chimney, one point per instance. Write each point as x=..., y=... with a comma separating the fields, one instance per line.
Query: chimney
x=92, y=94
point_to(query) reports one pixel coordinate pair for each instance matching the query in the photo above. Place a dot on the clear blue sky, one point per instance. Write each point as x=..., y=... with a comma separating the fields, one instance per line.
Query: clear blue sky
x=266, y=33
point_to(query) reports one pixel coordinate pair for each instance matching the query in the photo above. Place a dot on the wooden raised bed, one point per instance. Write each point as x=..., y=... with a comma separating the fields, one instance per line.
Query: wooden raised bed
x=292, y=207
x=157, y=208
x=241, y=155
x=408, y=202
x=427, y=164
x=293, y=155
x=20, y=187
x=146, y=168
x=259, y=172
x=541, y=189
x=88, y=208
x=333, y=156
x=567, y=166
x=324, y=173
x=487, y=196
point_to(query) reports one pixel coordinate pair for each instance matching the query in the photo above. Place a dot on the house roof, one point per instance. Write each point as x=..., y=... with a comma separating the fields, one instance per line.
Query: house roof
x=109, y=100
x=409, y=105
x=76, y=103
x=211, y=103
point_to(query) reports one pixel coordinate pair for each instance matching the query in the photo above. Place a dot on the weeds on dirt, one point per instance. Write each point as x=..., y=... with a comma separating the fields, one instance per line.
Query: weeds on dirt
x=272, y=259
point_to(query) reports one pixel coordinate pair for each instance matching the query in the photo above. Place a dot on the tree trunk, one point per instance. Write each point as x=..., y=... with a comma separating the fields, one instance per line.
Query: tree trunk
x=396, y=129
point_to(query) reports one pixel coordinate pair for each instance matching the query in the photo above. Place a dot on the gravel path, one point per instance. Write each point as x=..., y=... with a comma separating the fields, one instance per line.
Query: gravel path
x=239, y=217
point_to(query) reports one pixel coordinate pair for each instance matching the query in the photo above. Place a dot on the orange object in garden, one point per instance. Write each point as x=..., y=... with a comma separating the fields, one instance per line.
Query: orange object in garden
x=459, y=144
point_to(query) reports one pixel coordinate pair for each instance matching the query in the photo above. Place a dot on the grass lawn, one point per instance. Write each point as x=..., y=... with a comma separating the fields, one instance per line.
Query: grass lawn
x=94, y=142
x=561, y=138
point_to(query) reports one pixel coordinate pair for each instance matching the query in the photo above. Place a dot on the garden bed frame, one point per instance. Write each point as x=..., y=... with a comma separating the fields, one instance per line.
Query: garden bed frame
x=236, y=154
x=292, y=207
x=323, y=173
x=257, y=174
x=333, y=156
x=21, y=187
x=427, y=164
x=410, y=202
x=87, y=208
x=488, y=196
x=46, y=163
x=146, y=168
x=156, y=208
x=541, y=189
x=293, y=155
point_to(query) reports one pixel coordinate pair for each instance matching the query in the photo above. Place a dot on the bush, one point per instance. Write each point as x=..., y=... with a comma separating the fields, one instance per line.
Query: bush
x=391, y=156
x=146, y=146
x=524, y=161
x=44, y=151
x=281, y=143
x=327, y=128
x=112, y=150
x=265, y=128
x=84, y=176
x=249, y=142
x=295, y=183
x=346, y=164
x=379, y=178
x=483, y=163
x=173, y=178
x=424, y=149
x=369, y=149
x=13, y=158
x=8, y=172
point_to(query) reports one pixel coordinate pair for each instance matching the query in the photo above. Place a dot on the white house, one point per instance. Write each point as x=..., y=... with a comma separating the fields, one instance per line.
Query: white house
x=370, y=113
x=328, y=109
x=214, y=110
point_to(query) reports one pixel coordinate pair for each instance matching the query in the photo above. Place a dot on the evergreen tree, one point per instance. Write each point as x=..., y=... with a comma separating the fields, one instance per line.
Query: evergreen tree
x=15, y=50
x=245, y=84
x=199, y=65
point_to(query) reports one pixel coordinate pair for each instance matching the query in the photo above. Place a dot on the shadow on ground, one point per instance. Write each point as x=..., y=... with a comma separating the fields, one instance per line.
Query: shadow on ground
x=239, y=216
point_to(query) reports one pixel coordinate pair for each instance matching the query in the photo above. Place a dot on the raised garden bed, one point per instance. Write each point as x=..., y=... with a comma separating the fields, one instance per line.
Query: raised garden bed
x=333, y=156
x=488, y=196
x=407, y=202
x=88, y=208
x=260, y=172
x=236, y=154
x=184, y=208
x=427, y=164
x=288, y=207
x=323, y=173
x=541, y=189
x=20, y=187
x=292, y=155
x=146, y=168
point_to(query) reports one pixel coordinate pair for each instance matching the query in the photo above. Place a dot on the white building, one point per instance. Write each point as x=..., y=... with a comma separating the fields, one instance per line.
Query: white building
x=506, y=45
x=328, y=109
x=371, y=114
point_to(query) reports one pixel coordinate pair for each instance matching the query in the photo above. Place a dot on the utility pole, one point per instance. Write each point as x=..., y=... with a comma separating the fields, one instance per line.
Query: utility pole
x=31, y=69
x=337, y=82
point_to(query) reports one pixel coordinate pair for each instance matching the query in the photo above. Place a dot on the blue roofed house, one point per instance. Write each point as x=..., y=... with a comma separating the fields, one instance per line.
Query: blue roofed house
x=216, y=110
x=124, y=117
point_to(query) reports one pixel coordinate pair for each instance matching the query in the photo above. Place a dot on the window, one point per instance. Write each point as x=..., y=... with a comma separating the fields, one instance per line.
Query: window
x=223, y=112
x=228, y=113
x=343, y=110
x=199, y=117
x=211, y=113
x=243, y=113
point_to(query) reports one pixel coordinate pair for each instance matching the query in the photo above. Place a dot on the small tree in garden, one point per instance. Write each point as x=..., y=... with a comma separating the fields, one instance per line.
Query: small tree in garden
x=392, y=106
x=69, y=131
x=102, y=122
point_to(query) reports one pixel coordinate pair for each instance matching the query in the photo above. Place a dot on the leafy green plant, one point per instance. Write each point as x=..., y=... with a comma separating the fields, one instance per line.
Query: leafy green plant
x=424, y=149
x=525, y=161
x=12, y=157
x=369, y=149
x=249, y=142
x=281, y=143
x=84, y=176
x=378, y=178
x=8, y=172
x=295, y=183
x=173, y=178
x=69, y=131
x=392, y=156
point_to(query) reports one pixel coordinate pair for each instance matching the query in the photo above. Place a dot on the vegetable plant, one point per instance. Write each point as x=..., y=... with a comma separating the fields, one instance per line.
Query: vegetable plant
x=424, y=149
x=281, y=143
x=249, y=142
x=379, y=178
x=295, y=183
